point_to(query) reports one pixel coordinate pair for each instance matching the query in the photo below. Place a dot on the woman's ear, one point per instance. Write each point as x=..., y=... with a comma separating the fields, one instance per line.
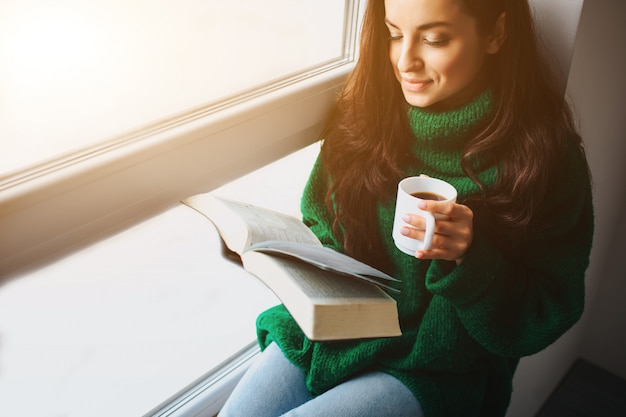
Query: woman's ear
x=497, y=38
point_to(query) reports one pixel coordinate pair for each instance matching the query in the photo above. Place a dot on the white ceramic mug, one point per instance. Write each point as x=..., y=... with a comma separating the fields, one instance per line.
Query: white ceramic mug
x=406, y=203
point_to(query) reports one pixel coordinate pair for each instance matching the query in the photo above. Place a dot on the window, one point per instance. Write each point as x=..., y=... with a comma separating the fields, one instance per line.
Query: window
x=155, y=130
x=77, y=75
x=90, y=305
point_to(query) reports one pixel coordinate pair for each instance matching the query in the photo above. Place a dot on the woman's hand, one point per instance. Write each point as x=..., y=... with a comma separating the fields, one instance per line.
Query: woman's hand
x=453, y=234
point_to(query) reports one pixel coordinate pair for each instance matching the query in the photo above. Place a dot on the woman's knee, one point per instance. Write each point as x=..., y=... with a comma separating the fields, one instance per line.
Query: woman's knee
x=271, y=386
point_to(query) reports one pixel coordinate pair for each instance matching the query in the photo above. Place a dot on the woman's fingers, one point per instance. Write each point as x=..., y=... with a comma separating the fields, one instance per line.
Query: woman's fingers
x=453, y=230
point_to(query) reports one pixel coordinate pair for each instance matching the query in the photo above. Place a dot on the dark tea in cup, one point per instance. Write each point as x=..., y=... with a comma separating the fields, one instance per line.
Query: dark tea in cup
x=429, y=196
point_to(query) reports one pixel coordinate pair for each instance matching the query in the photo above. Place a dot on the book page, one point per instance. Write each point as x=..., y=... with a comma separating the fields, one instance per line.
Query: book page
x=326, y=259
x=264, y=224
x=241, y=225
x=315, y=283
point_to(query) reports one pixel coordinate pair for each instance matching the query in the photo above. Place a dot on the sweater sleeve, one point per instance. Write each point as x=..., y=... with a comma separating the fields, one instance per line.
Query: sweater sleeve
x=517, y=304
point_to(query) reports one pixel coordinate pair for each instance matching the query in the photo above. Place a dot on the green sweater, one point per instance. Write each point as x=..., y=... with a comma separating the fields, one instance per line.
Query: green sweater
x=464, y=327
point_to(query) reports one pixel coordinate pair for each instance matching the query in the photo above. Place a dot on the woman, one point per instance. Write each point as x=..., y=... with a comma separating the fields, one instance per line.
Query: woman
x=454, y=89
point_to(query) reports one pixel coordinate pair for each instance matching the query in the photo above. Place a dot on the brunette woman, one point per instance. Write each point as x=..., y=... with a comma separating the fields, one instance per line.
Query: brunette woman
x=458, y=90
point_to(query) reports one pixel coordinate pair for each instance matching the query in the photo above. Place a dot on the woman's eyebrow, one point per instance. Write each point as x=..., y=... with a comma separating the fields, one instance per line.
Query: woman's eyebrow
x=424, y=26
x=388, y=22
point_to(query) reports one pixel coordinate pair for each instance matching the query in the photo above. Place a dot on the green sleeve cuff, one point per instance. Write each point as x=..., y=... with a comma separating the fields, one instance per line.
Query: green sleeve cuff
x=462, y=284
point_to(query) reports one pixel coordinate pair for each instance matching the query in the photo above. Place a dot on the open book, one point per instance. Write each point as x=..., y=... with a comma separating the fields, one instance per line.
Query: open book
x=330, y=295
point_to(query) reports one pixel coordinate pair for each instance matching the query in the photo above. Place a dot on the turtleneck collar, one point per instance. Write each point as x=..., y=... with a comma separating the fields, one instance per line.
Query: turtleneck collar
x=449, y=125
x=441, y=137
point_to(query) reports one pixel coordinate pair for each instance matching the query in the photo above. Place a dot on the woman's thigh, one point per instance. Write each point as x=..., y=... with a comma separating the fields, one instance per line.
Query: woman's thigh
x=374, y=394
x=274, y=387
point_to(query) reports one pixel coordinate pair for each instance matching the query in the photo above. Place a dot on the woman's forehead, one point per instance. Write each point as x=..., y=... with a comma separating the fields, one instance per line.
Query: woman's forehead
x=417, y=14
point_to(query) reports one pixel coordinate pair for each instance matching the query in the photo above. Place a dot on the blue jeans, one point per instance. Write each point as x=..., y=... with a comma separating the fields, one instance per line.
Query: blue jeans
x=274, y=387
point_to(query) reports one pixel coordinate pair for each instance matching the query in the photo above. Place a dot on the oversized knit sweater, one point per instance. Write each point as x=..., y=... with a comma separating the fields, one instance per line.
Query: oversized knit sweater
x=464, y=327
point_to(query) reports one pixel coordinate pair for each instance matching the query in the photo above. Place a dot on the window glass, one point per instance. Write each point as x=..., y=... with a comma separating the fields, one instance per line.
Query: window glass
x=77, y=74
x=124, y=324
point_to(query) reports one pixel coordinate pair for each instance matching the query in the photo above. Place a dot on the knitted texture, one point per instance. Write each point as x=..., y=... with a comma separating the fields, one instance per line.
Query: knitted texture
x=439, y=140
x=464, y=327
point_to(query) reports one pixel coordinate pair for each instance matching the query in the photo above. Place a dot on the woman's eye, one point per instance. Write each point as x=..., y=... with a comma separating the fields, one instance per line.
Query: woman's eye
x=394, y=37
x=436, y=42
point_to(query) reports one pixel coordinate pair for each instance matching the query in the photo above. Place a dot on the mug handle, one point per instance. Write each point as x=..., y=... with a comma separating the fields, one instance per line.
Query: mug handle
x=429, y=230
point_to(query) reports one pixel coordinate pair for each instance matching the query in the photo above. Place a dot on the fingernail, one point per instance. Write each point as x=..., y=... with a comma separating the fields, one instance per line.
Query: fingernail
x=405, y=231
x=406, y=218
x=421, y=204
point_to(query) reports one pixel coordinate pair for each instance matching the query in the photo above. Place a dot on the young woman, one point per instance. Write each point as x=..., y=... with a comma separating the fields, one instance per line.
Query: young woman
x=458, y=90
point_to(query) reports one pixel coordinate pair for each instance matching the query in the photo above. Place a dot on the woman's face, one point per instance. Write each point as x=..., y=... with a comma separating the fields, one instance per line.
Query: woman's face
x=436, y=52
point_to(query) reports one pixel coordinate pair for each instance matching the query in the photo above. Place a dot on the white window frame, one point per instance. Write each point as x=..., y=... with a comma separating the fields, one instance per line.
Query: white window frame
x=60, y=206
x=208, y=395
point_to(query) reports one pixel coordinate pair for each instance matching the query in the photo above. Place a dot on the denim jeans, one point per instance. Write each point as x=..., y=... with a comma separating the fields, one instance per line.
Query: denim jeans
x=274, y=387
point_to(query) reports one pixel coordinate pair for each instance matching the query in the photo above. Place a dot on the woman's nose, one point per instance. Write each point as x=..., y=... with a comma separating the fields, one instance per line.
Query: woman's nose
x=410, y=58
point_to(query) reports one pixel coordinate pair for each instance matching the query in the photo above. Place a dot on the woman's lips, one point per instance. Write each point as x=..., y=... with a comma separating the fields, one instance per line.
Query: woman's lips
x=415, y=85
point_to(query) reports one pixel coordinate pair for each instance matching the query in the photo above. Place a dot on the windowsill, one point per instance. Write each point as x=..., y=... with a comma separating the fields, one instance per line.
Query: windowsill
x=119, y=326
x=48, y=214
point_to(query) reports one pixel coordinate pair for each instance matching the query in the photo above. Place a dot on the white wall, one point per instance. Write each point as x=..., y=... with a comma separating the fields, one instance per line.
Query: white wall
x=598, y=90
x=557, y=22
x=598, y=86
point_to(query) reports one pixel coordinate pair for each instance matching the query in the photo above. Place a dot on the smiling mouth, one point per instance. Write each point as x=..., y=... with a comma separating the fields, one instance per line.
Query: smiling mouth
x=415, y=85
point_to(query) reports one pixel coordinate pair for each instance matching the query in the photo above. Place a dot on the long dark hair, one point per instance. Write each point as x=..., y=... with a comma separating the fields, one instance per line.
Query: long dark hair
x=367, y=138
